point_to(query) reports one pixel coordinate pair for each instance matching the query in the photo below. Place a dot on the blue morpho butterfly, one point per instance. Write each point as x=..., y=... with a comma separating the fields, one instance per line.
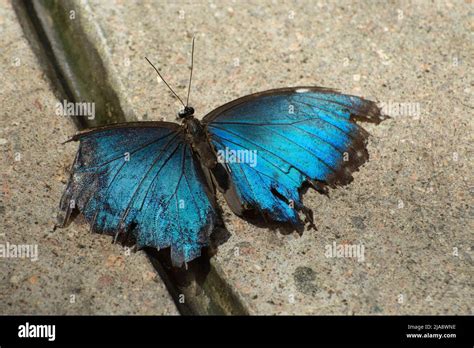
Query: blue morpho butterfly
x=155, y=181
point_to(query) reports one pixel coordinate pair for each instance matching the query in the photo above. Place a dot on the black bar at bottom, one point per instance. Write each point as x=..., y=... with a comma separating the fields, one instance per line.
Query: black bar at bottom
x=314, y=330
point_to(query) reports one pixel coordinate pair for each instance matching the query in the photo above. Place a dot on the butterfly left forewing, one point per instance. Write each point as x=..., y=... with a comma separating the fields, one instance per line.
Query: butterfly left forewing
x=300, y=135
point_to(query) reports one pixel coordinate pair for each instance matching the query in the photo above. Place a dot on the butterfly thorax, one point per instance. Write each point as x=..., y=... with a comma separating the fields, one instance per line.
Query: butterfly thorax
x=197, y=137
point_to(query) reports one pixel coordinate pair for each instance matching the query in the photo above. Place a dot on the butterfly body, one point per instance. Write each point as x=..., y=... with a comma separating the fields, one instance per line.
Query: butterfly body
x=199, y=140
x=155, y=182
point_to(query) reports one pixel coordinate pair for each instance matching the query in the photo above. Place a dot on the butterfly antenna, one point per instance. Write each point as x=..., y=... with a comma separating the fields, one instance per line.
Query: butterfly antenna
x=166, y=83
x=191, y=73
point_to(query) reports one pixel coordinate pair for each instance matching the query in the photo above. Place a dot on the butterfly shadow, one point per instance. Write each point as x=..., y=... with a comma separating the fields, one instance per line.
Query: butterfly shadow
x=188, y=281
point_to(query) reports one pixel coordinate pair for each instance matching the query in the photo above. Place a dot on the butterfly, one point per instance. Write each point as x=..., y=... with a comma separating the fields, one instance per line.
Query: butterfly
x=156, y=182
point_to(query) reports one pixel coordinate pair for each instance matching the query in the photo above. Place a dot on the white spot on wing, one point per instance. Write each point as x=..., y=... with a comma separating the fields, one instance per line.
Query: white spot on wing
x=302, y=90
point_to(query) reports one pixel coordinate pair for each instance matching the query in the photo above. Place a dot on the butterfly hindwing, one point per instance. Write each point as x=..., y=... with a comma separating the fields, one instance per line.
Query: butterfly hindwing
x=299, y=135
x=142, y=179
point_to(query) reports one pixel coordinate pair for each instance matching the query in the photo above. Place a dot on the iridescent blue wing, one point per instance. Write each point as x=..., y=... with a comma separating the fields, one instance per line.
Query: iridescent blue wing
x=141, y=180
x=304, y=135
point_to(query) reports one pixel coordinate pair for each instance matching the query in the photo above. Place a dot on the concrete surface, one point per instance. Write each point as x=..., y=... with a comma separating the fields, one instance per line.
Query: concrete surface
x=410, y=206
x=75, y=272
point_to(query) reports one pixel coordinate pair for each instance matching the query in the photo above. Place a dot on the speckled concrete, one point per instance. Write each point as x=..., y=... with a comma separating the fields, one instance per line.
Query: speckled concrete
x=76, y=272
x=410, y=206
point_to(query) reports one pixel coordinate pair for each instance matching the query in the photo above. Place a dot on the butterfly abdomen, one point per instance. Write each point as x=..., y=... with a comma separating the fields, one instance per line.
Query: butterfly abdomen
x=197, y=137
